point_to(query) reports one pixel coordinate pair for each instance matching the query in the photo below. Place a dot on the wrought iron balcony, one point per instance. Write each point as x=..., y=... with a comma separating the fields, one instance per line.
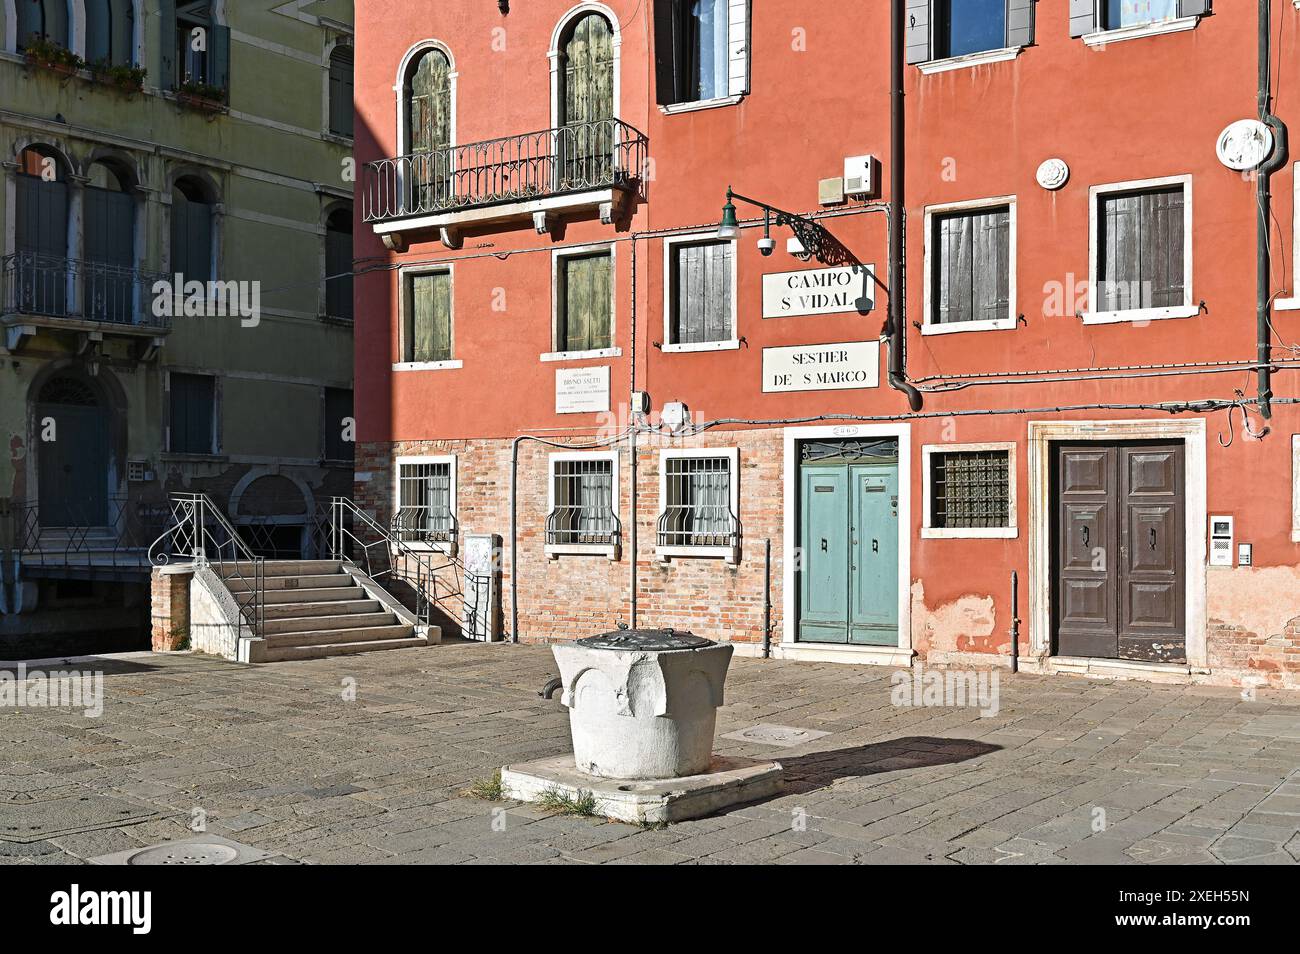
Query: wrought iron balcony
x=553, y=170
x=45, y=286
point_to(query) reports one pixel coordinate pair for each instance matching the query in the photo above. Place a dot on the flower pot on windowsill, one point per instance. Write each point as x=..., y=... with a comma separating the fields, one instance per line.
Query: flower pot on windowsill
x=203, y=99
x=128, y=80
x=54, y=66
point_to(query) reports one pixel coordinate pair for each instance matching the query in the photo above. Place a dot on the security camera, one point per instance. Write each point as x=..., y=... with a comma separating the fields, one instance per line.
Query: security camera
x=766, y=246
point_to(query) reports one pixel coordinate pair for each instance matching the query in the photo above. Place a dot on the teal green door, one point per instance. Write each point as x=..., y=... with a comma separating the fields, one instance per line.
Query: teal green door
x=848, y=586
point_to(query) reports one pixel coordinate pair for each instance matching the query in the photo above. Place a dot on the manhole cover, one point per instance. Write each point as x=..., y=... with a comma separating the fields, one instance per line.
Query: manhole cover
x=191, y=853
x=782, y=735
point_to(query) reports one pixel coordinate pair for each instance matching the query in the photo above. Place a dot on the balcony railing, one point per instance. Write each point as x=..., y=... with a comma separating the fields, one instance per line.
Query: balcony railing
x=604, y=154
x=53, y=287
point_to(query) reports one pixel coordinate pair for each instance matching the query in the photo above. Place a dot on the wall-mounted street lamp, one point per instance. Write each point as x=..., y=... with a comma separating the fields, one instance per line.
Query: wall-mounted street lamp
x=817, y=242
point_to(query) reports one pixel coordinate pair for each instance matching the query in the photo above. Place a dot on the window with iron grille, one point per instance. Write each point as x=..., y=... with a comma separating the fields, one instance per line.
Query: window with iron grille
x=425, y=508
x=970, y=489
x=582, y=511
x=698, y=509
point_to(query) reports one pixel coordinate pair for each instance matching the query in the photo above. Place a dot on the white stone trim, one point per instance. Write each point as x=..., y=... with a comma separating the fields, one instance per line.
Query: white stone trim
x=578, y=251
x=1295, y=482
x=672, y=109
x=553, y=54
x=1189, y=307
x=928, y=531
x=401, y=86
x=928, y=324
x=967, y=60
x=554, y=550
x=326, y=56
x=790, y=647
x=1041, y=435
x=1292, y=303
x=404, y=273
x=437, y=546
x=1101, y=38
x=730, y=554
x=703, y=237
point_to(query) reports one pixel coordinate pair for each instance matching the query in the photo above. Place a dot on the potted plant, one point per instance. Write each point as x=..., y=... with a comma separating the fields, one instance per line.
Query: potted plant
x=205, y=97
x=41, y=51
x=125, y=77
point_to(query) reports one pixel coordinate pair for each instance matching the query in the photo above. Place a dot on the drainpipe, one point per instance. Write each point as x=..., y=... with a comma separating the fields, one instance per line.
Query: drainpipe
x=514, y=538
x=1263, y=176
x=897, y=327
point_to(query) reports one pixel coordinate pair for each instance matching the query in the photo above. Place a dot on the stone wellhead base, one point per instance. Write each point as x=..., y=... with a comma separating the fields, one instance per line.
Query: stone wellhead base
x=729, y=781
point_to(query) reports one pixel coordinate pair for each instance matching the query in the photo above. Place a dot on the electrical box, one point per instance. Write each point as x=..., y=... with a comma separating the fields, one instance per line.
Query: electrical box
x=1221, y=541
x=674, y=415
x=1245, y=554
x=830, y=191
x=640, y=402
x=482, y=587
x=861, y=176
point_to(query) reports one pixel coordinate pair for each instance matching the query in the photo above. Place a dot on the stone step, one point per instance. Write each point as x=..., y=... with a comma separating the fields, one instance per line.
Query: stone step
x=331, y=637
x=325, y=595
x=284, y=568
x=333, y=608
x=303, y=624
x=320, y=651
x=320, y=581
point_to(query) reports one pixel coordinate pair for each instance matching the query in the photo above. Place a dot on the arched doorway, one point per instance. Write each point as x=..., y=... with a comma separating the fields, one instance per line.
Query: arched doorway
x=72, y=433
x=586, y=103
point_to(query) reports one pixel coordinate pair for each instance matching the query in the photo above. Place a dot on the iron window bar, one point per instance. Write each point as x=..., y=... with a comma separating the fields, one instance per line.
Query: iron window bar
x=424, y=512
x=970, y=489
x=583, y=510
x=697, y=511
x=605, y=153
x=57, y=287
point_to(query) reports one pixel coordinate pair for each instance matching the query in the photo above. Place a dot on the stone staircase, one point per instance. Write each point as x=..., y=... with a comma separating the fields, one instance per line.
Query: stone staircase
x=317, y=608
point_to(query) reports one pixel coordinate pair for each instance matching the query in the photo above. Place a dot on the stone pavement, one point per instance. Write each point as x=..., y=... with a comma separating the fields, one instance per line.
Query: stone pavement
x=275, y=756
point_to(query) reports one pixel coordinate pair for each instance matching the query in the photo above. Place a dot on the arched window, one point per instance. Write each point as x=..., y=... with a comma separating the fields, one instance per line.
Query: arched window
x=428, y=128
x=195, y=48
x=42, y=18
x=109, y=244
x=586, y=102
x=110, y=31
x=338, y=264
x=340, y=95
x=191, y=231
x=41, y=234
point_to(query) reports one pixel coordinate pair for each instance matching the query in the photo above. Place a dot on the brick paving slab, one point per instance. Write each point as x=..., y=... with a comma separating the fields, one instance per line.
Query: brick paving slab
x=276, y=755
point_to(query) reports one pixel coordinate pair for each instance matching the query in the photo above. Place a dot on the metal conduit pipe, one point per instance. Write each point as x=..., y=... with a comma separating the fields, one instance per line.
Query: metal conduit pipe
x=897, y=292
x=1263, y=198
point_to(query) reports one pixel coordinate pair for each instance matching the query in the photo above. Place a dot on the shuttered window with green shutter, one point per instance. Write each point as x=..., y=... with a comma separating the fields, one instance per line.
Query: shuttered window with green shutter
x=586, y=141
x=427, y=336
x=585, y=300
x=193, y=413
x=428, y=124
x=340, y=95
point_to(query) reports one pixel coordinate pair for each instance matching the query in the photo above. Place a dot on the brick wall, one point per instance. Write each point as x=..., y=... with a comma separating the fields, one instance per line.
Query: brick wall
x=170, y=615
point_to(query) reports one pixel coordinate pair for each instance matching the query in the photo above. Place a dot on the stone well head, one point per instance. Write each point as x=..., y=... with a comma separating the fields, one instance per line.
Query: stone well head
x=642, y=702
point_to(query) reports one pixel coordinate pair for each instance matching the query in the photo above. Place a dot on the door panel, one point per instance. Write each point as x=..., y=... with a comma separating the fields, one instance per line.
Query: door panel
x=73, y=468
x=823, y=591
x=1152, y=582
x=1087, y=623
x=874, y=555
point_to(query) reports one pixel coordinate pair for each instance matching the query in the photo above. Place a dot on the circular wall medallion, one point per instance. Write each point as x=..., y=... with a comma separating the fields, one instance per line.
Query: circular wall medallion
x=1244, y=144
x=1053, y=174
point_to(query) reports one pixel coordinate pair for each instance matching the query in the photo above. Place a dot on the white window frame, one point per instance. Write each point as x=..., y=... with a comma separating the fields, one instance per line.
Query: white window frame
x=1189, y=308
x=928, y=324
x=438, y=546
x=555, y=550
x=1098, y=39
x=931, y=532
x=964, y=60
x=578, y=251
x=553, y=54
x=730, y=554
x=1293, y=303
x=326, y=132
x=1295, y=485
x=738, y=65
x=404, y=274
x=698, y=238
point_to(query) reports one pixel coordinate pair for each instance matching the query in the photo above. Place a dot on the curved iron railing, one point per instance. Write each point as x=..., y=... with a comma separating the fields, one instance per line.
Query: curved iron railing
x=201, y=533
x=115, y=537
x=692, y=525
x=58, y=287
x=354, y=536
x=421, y=523
x=601, y=154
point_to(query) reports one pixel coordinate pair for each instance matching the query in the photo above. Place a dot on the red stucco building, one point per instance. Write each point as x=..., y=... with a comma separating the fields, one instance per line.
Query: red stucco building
x=1065, y=380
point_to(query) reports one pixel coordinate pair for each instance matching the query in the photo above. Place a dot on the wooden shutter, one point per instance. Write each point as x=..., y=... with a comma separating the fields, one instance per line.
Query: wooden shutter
x=589, y=72
x=1120, y=245
x=991, y=238
x=1162, y=248
x=430, y=331
x=1083, y=17
x=193, y=397
x=585, y=324
x=1020, y=22
x=702, y=293
x=167, y=44
x=918, y=31
x=668, y=51
x=1193, y=8
x=219, y=51
x=338, y=269
x=428, y=113
x=42, y=216
x=99, y=37
x=338, y=405
x=340, y=92
x=971, y=281
x=738, y=47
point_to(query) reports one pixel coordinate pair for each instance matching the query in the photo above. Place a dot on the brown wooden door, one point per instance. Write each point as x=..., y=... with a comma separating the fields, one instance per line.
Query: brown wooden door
x=1118, y=549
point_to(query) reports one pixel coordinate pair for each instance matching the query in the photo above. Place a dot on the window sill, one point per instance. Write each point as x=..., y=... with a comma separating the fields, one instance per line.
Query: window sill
x=1287, y=304
x=967, y=60
x=338, y=138
x=956, y=327
x=969, y=533
x=730, y=554
x=181, y=457
x=428, y=365
x=1138, y=316
x=556, y=550
x=672, y=109
x=732, y=345
x=582, y=355
x=430, y=546
x=1101, y=38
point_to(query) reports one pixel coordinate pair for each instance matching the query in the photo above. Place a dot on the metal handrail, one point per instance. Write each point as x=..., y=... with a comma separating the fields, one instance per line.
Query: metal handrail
x=201, y=533
x=122, y=539
x=59, y=287
x=382, y=555
x=603, y=153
